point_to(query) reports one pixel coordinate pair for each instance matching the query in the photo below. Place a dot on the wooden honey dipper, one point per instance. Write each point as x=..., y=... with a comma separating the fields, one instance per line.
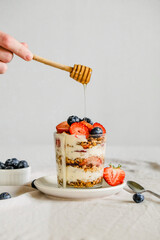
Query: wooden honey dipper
x=79, y=73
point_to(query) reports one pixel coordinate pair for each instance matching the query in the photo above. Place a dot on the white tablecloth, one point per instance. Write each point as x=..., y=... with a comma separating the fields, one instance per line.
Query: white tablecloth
x=32, y=215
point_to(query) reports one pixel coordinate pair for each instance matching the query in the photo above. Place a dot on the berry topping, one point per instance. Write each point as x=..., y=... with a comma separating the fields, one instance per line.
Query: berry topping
x=73, y=119
x=92, y=161
x=100, y=126
x=62, y=127
x=88, y=125
x=2, y=165
x=97, y=132
x=113, y=176
x=138, y=198
x=23, y=164
x=88, y=120
x=4, y=195
x=79, y=129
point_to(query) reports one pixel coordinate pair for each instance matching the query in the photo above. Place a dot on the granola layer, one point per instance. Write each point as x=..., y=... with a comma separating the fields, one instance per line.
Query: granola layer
x=79, y=162
x=92, y=142
x=82, y=184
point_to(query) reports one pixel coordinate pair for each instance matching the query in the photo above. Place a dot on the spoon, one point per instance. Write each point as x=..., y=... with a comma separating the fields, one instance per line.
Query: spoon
x=78, y=72
x=137, y=188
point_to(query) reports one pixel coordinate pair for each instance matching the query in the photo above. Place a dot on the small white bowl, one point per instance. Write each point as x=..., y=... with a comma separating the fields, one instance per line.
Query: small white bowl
x=11, y=177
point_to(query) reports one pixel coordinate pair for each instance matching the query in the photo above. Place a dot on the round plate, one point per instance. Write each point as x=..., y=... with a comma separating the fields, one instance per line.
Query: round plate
x=48, y=185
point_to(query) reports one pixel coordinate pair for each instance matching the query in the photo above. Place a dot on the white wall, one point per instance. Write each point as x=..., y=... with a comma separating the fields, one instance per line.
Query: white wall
x=119, y=39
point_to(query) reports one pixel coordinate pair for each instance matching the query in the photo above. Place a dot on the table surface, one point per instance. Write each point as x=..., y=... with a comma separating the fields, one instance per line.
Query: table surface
x=33, y=215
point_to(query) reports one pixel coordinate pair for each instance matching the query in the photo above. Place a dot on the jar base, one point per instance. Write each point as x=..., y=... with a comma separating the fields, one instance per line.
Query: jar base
x=82, y=184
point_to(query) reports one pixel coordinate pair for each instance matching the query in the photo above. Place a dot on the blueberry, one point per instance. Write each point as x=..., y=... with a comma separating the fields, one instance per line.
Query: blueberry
x=33, y=185
x=2, y=165
x=12, y=162
x=87, y=120
x=97, y=132
x=9, y=167
x=138, y=198
x=8, y=162
x=23, y=164
x=73, y=119
x=15, y=162
x=4, y=195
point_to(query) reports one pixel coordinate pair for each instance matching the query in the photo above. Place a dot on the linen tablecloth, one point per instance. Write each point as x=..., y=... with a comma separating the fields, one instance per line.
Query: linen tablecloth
x=33, y=215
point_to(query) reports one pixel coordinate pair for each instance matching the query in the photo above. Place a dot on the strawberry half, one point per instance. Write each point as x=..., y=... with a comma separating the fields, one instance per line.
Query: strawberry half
x=100, y=126
x=88, y=125
x=113, y=176
x=95, y=161
x=62, y=127
x=79, y=128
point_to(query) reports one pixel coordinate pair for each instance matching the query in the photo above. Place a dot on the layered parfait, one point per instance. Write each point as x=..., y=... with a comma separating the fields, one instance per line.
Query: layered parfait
x=80, y=153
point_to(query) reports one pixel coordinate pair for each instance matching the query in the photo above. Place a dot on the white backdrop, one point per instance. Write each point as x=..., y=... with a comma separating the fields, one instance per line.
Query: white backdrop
x=119, y=40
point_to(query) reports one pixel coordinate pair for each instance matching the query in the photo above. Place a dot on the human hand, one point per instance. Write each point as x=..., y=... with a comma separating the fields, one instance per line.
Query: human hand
x=10, y=46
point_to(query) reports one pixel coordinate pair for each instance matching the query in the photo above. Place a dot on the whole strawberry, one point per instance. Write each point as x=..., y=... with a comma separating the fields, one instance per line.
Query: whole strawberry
x=113, y=175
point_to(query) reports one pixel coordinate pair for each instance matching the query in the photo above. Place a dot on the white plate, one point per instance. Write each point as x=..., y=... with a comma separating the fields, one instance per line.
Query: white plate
x=48, y=185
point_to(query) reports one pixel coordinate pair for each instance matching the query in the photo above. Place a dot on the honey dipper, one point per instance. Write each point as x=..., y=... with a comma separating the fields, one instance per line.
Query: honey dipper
x=79, y=73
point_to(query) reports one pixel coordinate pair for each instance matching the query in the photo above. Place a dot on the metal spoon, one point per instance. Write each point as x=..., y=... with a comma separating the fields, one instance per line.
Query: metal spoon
x=137, y=188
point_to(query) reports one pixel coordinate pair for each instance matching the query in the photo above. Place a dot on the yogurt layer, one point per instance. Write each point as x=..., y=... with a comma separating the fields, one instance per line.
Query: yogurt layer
x=74, y=150
x=73, y=174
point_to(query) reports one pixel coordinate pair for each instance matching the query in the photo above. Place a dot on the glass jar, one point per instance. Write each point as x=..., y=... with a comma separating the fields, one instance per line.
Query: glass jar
x=80, y=160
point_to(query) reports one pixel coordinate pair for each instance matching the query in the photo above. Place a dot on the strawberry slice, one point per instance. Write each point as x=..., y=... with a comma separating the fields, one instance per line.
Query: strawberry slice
x=113, y=176
x=100, y=126
x=79, y=128
x=95, y=161
x=62, y=127
x=88, y=125
x=58, y=142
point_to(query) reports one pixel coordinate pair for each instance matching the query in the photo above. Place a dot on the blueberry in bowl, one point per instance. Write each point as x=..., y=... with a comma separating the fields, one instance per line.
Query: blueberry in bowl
x=2, y=165
x=14, y=172
x=9, y=167
x=13, y=162
x=22, y=164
